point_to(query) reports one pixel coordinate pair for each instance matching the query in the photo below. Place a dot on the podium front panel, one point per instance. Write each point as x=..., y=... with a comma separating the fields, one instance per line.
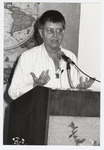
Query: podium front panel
x=74, y=103
x=30, y=113
x=81, y=108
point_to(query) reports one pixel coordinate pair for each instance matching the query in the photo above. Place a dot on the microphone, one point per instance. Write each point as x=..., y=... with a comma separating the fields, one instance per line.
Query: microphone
x=61, y=55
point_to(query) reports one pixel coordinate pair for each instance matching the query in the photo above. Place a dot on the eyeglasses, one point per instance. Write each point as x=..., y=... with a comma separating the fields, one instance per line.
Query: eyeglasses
x=51, y=31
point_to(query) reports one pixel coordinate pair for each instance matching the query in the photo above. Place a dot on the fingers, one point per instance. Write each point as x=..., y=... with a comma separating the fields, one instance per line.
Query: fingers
x=44, y=74
x=81, y=79
x=86, y=80
x=91, y=81
x=34, y=76
x=85, y=84
x=43, y=78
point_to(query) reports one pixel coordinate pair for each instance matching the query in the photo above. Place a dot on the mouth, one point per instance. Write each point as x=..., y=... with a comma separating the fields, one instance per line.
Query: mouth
x=55, y=41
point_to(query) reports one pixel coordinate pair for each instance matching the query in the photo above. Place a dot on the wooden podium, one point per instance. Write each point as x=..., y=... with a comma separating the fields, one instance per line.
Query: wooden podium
x=29, y=114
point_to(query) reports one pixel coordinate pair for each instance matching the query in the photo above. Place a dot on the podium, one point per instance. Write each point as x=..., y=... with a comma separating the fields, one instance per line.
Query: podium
x=29, y=114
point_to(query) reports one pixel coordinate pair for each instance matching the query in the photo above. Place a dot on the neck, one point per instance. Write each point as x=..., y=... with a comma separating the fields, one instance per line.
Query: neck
x=52, y=52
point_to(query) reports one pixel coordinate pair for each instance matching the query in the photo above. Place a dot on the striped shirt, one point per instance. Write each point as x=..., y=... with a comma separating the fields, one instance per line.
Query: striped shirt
x=37, y=60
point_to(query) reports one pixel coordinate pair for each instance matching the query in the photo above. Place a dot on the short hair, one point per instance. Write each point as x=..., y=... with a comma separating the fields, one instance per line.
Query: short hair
x=52, y=16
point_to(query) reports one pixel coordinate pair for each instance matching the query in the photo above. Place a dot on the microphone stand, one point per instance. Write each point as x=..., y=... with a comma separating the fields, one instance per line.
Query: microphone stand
x=69, y=75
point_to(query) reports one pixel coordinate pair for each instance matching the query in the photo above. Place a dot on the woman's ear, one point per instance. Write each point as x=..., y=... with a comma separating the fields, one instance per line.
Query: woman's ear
x=40, y=31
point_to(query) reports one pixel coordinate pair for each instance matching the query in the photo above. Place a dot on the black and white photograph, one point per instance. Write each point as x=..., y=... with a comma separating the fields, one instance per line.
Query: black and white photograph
x=52, y=74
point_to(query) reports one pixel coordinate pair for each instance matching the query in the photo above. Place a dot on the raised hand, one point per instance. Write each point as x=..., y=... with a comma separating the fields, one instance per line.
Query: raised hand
x=85, y=84
x=42, y=80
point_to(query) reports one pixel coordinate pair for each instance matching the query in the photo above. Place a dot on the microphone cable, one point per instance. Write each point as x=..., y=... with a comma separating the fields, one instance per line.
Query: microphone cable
x=85, y=73
x=61, y=55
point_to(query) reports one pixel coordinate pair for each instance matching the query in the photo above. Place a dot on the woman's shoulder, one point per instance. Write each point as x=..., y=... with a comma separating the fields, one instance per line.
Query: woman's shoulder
x=31, y=51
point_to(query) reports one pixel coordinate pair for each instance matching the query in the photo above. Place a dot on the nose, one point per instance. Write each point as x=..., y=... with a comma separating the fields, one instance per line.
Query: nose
x=55, y=34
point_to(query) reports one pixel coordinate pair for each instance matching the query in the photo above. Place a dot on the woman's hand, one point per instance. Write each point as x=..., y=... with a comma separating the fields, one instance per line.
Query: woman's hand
x=85, y=84
x=42, y=80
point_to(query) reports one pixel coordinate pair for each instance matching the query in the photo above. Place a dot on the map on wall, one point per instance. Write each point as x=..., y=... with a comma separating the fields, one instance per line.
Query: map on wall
x=19, y=20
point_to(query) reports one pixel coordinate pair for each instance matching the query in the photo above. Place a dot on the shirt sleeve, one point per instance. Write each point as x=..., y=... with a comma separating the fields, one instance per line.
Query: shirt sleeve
x=22, y=81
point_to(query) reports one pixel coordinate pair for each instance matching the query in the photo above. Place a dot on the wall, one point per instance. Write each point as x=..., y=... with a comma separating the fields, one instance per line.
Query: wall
x=89, y=51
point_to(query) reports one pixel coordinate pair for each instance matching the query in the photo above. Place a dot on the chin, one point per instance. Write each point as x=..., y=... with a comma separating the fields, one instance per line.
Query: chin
x=55, y=45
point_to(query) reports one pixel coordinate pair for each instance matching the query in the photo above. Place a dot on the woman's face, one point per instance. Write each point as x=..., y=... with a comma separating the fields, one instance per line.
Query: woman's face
x=52, y=35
